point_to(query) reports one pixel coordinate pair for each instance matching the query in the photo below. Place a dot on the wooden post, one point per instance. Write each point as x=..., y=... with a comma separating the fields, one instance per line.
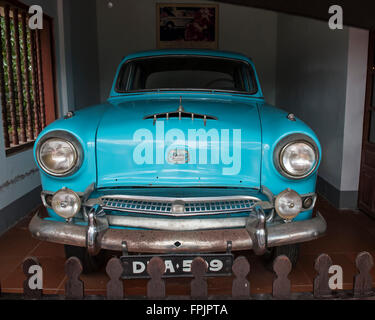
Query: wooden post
x=74, y=286
x=156, y=285
x=12, y=103
x=3, y=99
x=19, y=76
x=40, y=79
x=29, y=126
x=115, y=287
x=321, y=281
x=34, y=81
x=240, y=285
x=198, y=285
x=281, y=288
x=28, y=292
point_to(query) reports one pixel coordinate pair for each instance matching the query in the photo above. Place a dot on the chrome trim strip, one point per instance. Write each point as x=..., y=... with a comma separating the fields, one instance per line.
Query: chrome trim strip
x=179, y=114
x=176, y=224
x=172, y=199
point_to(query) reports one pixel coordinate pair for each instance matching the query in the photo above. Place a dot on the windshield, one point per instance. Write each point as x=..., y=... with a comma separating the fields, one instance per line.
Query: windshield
x=186, y=73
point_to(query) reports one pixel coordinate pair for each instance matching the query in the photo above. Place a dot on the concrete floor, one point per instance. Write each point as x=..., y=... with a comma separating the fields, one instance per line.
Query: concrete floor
x=349, y=233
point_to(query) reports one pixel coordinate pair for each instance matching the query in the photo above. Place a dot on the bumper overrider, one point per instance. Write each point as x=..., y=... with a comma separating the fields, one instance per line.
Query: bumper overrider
x=257, y=235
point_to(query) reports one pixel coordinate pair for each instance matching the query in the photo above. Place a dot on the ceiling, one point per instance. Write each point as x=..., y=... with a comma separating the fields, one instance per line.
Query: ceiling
x=360, y=13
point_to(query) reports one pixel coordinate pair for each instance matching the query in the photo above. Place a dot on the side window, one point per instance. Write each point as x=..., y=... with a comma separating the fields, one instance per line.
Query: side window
x=138, y=79
x=123, y=77
x=251, y=82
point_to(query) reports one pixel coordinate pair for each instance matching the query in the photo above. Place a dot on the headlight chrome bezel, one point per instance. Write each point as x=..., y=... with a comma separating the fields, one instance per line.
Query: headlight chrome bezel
x=287, y=142
x=70, y=140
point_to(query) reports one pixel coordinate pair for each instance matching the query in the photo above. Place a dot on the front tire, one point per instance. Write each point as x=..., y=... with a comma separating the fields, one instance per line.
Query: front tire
x=90, y=264
x=291, y=251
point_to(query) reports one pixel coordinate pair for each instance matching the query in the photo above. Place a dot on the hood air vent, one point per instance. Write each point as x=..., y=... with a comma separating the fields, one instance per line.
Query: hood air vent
x=179, y=114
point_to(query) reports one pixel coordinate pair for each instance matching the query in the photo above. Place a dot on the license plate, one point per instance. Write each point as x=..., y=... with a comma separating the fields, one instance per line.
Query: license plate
x=177, y=265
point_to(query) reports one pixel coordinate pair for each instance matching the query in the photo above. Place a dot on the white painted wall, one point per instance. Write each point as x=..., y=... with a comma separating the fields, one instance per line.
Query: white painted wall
x=354, y=108
x=130, y=26
x=321, y=77
x=311, y=82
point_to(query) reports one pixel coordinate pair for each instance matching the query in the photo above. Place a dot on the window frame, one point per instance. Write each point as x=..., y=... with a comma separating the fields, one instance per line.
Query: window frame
x=45, y=75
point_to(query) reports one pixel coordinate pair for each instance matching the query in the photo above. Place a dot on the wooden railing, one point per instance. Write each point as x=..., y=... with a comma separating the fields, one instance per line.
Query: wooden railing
x=241, y=287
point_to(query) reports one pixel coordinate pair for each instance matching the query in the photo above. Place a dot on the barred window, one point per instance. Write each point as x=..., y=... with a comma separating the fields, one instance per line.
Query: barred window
x=27, y=93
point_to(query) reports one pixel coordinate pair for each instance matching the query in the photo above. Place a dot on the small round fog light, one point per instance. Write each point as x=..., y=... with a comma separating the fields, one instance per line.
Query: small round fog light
x=288, y=204
x=66, y=203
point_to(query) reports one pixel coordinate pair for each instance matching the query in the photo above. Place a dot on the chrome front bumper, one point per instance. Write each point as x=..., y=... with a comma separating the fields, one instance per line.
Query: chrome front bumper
x=257, y=235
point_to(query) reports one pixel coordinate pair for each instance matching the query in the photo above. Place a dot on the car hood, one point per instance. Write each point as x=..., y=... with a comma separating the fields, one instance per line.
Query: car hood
x=223, y=150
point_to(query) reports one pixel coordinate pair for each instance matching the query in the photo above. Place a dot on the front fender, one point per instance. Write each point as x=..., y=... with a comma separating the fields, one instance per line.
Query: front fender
x=276, y=126
x=83, y=125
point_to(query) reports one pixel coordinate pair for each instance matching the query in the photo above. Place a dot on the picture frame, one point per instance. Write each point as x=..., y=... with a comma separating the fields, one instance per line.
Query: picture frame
x=181, y=25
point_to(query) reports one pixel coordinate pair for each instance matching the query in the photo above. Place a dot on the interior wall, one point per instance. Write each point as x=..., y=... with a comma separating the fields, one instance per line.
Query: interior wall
x=130, y=26
x=354, y=108
x=321, y=77
x=311, y=82
x=82, y=53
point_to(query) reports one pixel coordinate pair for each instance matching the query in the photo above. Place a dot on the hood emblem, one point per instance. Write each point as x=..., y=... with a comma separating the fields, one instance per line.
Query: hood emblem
x=178, y=207
x=180, y=113
x=179, y=155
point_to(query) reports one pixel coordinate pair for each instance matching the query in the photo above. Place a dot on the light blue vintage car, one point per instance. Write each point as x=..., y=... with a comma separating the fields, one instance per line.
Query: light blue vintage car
x=184, y=159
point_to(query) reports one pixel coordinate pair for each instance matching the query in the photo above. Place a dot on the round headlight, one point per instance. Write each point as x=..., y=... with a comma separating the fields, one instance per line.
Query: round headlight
x=66, y=203
x=288, y=204
x=296, y=156
x=59, y=154
x=298, y=159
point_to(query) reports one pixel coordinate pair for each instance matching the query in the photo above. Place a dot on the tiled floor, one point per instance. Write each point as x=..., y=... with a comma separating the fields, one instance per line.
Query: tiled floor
x=348, y=234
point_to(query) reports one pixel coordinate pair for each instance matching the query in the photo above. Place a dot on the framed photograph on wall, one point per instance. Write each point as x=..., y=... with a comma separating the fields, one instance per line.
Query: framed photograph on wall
x=187, y=25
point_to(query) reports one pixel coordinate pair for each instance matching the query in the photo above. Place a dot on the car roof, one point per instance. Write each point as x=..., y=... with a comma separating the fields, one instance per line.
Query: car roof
x=205, y=52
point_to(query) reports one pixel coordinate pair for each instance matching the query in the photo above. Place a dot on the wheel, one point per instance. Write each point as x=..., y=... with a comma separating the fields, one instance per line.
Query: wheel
x=291, y=251
x=89, y=263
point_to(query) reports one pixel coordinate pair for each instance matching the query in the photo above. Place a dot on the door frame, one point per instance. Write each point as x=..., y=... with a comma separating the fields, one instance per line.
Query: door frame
x=367, y=147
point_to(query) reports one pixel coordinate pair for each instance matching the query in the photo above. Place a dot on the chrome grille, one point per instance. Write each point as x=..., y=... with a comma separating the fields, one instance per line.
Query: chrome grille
x=136, y=205
x=179, y=206
x=218, y=206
